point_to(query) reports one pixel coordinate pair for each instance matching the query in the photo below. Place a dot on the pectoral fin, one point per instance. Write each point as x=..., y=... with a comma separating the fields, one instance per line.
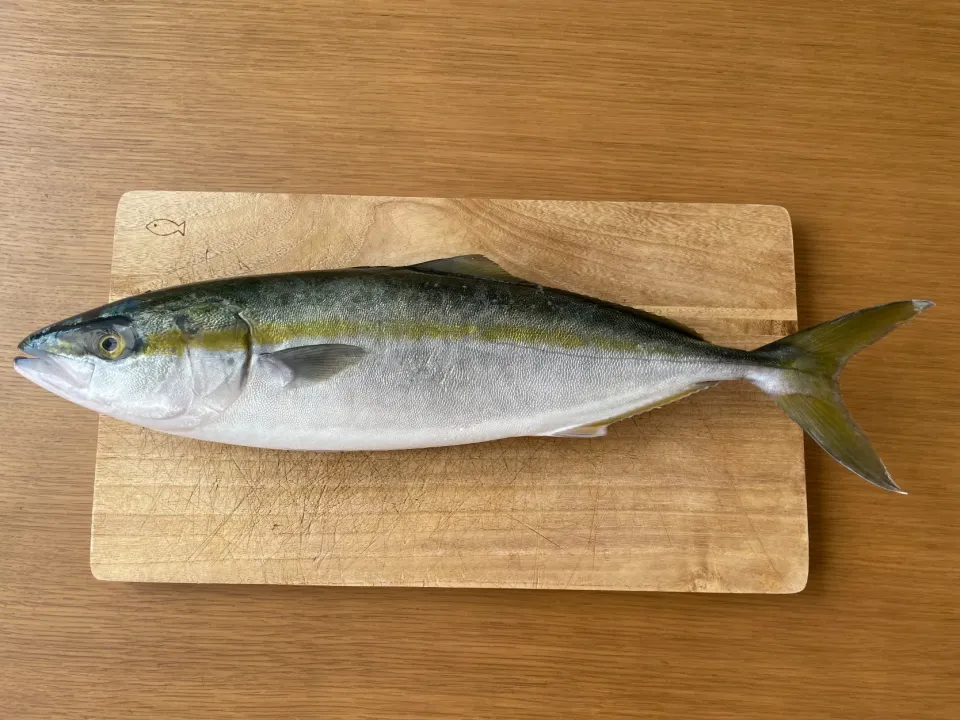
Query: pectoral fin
x=311, y=363
x=599, y=428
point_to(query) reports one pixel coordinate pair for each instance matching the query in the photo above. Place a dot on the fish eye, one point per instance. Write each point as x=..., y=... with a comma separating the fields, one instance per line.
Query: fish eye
x=110, y=345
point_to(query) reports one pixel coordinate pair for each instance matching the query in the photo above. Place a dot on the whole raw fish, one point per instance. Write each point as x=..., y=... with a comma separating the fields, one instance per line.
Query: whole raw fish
x=448, y=352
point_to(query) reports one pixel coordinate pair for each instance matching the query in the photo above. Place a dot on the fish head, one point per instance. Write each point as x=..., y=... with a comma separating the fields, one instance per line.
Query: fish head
x=150, y=362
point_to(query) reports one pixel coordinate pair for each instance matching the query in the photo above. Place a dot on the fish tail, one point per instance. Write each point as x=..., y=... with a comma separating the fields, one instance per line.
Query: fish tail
x=182, y=228
x=800, y=373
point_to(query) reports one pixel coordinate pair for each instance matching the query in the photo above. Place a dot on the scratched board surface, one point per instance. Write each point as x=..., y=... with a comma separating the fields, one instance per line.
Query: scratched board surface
x=706, y=494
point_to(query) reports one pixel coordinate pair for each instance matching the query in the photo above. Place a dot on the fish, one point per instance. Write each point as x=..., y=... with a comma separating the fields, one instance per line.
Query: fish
x=164, y=227
x=446, y=352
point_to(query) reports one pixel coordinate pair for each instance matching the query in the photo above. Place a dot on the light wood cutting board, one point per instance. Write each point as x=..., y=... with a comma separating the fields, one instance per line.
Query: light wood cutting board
x=704, y=495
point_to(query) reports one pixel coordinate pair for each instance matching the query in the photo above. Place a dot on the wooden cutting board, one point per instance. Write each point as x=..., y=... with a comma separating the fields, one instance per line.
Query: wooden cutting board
x=704, y=495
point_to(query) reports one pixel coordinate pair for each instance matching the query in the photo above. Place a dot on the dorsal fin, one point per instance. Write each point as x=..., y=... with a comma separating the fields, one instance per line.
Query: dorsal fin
x=474, y=265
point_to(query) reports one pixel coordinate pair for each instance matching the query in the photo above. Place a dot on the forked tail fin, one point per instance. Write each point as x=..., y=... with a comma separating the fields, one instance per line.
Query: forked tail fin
x=806, y=385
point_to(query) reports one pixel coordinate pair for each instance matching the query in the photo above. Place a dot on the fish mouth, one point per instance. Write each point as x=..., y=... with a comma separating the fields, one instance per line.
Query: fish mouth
x=56, y=373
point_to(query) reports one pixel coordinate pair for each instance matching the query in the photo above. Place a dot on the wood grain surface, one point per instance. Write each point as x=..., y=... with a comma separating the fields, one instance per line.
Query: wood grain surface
x=707, y=495
x=845, y=113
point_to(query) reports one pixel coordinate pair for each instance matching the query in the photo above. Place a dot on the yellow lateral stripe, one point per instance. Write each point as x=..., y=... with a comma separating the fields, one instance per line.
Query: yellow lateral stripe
x=173, y=342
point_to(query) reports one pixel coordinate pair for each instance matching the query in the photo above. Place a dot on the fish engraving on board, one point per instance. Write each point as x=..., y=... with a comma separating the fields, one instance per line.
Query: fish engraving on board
x=164, y=227
x=446, y=352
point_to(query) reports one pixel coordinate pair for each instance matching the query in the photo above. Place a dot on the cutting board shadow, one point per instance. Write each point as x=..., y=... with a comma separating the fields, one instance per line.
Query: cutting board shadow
x=704, y=495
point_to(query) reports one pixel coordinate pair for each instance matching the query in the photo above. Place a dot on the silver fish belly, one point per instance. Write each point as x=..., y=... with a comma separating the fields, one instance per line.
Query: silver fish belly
x=412, y=394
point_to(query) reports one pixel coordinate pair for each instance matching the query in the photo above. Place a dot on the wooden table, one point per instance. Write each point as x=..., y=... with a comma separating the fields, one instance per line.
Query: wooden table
x=845, y=113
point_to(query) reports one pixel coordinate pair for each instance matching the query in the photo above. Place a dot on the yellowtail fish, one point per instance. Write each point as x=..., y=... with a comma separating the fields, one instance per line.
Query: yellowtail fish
x=442, y=353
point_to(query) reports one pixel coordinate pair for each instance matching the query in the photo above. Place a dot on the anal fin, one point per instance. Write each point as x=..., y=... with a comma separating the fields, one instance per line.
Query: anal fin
x=581, y=431
x=599, y=428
